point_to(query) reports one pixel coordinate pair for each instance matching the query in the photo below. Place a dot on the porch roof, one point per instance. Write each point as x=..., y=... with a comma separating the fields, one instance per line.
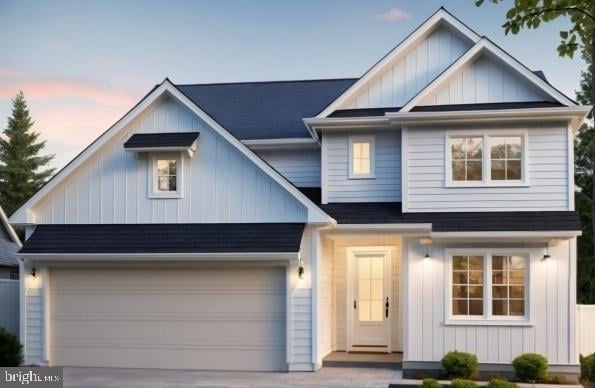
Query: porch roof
x=391, y=213
x=165, y=238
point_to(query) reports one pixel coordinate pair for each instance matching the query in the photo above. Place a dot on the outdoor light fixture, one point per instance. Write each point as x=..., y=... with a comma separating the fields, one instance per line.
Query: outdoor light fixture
x=547, y=251
x=33, y=271
x=427, y=255
x=300, y=268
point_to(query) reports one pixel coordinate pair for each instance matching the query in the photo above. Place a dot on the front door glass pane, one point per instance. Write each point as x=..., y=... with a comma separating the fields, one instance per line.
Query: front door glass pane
x=370, y=288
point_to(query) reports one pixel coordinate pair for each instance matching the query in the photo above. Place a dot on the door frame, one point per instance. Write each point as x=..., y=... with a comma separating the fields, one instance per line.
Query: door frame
x=352, y=253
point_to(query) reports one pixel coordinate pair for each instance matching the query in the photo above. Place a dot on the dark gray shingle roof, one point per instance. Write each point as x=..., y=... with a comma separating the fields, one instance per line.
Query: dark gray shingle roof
x=266, y=110
x=166, y=238
x=164, y=139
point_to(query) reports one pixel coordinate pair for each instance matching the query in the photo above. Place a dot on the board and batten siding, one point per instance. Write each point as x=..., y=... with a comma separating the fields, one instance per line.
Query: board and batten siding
x=585, y=327
x=547, y=166
x=484, y=81
x=326, y=299
x=219, y=184
x=301, y=166
x=552, y=310
x=385, y=187
x=412, y=71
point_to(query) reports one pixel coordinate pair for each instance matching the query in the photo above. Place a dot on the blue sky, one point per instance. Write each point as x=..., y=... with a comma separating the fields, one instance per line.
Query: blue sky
x=82, y=64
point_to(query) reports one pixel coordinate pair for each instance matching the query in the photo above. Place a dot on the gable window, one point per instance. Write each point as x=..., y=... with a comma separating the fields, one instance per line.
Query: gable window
x=488, y=286
x=467, y=159
x=361, y=157
x=486, y=159
x=165, y=177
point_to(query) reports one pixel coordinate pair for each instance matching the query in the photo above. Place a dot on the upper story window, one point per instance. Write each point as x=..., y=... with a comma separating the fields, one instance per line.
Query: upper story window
x=467, y=158
x=491, y=285
x=361, y=157
x=165, y=177
x=486, y=160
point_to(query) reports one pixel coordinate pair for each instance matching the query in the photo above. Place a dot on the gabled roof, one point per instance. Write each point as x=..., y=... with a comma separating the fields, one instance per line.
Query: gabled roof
x=440, y=17
x=23, y=214
x=486, y=47
x=266, y=110
x=9, y=243
x=165, y=238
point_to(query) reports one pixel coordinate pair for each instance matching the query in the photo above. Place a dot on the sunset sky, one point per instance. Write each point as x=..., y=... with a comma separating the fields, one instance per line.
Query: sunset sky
x=83, y=64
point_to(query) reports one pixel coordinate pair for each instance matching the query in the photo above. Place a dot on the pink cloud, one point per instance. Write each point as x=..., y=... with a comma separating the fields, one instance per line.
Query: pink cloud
x=393, y=14
x=44, y=89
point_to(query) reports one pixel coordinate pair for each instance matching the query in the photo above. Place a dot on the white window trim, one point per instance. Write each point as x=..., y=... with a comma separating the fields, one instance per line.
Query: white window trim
x=152, y=172
x=486, y=158
x=487, y=319
x=357, y=139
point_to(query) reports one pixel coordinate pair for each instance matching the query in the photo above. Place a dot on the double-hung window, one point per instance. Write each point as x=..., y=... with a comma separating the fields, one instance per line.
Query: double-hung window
x=487, y=286
x=361, y=157
x=165, y=175
x=486, y=160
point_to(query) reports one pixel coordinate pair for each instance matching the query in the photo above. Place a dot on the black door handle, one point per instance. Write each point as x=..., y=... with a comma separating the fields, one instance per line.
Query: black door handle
x=387, y=305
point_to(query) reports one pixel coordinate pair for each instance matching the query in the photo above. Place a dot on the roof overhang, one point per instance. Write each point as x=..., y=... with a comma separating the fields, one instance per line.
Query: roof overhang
x=504, y=236
x=162, y=142
x=276, y=144
x=137, y=257
x=575, y=115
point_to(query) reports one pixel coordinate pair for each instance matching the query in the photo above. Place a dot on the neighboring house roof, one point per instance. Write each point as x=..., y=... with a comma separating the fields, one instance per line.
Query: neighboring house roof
x=266, y=110
x=391, y=213
x=164, y=139
x=166, y=238
x=9, y=243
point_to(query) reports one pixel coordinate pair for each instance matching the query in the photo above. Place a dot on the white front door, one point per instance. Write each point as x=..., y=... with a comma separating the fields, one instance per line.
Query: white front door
x=370, y=301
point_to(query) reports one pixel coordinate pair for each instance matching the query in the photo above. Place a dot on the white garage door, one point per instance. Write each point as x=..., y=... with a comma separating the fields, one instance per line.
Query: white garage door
x=192, y=318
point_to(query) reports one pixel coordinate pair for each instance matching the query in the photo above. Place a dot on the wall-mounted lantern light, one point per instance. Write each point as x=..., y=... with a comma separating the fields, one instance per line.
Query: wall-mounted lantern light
x=547, y=251
x=300, y=270
x=33, y=273
x=426, y=243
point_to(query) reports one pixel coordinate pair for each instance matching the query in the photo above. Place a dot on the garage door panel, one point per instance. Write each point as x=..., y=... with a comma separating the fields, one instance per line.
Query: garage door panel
x=200, y=318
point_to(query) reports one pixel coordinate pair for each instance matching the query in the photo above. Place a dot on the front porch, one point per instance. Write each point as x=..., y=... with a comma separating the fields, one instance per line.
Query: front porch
x=361, y=316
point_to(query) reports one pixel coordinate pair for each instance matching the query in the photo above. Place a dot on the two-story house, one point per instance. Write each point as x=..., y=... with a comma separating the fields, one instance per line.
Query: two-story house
x=424, y=207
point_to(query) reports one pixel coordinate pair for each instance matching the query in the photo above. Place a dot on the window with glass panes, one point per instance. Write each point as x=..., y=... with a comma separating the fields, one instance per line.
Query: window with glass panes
x=506, y=158
x=166, y=175
x=467, y=285
x=467, y=158
x=508, y=285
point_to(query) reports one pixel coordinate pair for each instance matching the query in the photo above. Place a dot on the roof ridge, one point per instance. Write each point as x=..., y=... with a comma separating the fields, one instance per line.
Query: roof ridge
x=270, y=82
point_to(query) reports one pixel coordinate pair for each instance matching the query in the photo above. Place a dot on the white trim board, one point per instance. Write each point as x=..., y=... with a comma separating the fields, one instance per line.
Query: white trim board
x=442, y=16
x=24, y=214
x=486, y=46
x=123, y=257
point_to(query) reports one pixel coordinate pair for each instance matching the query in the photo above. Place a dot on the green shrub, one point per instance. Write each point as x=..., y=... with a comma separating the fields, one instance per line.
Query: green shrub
x=459, y=365
x=588, y=367
x=11, y=350
x=530, y=367
x=501, y=383
x=558, y=379
x=462, y=383
x=430, y=383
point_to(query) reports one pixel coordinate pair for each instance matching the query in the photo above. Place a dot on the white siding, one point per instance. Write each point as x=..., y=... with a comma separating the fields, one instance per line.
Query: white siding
x=552, y=308
x=585, y=330
x=34, y=326
x=326, y=299
x=9, y=305
x=340, y=246
x=483, y=81
x=548, y=175
x=412, y=71
x=219, y=184
x=301, y=167
x=385, y=187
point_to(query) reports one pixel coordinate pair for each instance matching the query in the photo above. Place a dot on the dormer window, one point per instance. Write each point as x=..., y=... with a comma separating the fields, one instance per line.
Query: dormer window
x=361, y=157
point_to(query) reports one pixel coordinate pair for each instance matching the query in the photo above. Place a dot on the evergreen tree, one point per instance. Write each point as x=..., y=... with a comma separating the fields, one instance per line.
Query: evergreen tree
x=22, y=170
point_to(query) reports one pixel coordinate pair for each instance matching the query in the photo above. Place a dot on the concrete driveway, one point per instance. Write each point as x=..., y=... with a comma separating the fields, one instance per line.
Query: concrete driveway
x=151, y=378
